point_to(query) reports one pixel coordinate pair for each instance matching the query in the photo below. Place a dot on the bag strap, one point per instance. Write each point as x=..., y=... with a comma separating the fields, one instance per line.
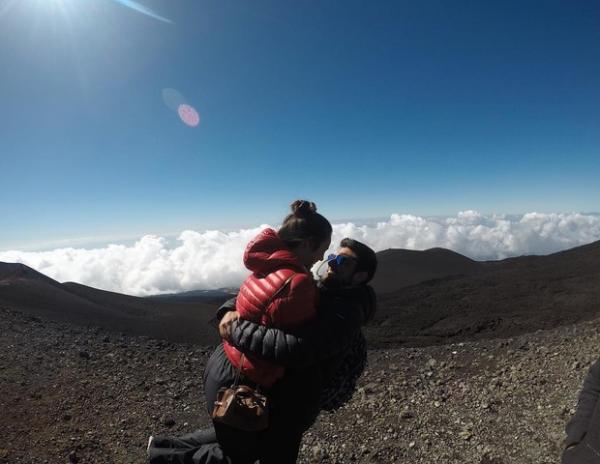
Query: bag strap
x=274, y=295
x=238, y=374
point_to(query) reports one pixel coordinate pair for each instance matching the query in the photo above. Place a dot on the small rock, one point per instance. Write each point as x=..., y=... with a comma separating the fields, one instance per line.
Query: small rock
x=73, y=459
x=168, y=421
x=370, y=388
x=406, y=414
x=465, y=434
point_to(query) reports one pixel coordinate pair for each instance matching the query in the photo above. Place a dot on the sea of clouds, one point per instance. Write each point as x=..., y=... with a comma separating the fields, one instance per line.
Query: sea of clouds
x=213, y=259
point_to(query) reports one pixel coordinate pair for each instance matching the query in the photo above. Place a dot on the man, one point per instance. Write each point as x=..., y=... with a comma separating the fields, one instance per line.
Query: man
x=323, y=359
x=583, y=430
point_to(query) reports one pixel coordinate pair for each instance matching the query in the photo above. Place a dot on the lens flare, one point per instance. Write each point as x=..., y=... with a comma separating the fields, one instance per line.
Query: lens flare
x=188, y=115
x=176, y=102
x=143, y=9
x=172, y=98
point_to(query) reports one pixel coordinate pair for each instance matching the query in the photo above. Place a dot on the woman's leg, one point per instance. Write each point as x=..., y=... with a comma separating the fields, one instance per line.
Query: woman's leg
x=240, y=446
x=294, y=404
x=205, y=454
x=170, y=455
x=280, y=447
x=190, y=440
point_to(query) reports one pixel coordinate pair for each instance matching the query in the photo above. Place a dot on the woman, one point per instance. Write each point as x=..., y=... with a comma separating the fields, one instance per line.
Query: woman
x=280, y=263
x=323, y=360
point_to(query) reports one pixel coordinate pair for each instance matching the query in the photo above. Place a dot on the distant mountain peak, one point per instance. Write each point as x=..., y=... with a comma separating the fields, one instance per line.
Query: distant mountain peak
x=399, y=267
x=20, y=271
x=435, y=251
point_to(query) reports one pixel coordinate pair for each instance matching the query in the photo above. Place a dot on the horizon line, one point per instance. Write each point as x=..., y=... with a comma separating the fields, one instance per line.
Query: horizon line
x=92, y=242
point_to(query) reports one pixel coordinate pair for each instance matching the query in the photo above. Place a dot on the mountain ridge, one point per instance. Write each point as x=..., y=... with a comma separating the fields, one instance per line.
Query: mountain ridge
x=434, y=296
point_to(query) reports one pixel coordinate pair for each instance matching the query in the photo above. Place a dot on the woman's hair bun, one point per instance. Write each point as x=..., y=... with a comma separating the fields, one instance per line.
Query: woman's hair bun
x=304, y=224
x=303, y=208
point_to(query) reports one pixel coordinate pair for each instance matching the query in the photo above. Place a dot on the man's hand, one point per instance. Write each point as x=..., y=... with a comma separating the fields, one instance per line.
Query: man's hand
x=225, y=325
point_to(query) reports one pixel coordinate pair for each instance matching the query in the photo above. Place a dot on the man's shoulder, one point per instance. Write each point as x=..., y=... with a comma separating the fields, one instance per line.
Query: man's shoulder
x=359, y=293
x=359, y=299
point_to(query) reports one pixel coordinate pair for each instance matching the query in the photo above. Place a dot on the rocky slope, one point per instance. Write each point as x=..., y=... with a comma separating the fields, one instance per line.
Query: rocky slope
x=498, y=299
x=75, y=394
x=426, y=297
x=37, y=295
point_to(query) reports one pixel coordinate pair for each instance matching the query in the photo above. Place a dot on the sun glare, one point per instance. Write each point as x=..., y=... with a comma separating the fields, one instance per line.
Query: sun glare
x=54, y=3
x=59, y=7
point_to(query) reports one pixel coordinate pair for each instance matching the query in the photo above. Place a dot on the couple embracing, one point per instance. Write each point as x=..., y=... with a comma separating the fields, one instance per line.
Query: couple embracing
x=297, y=342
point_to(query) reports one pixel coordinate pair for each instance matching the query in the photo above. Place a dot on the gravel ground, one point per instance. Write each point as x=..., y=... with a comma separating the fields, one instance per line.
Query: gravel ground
x=71, y=394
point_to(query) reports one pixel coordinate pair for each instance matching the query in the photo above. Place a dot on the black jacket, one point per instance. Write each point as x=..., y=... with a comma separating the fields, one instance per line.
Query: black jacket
x=311, y=354
x=340, y=316
x=583, y=430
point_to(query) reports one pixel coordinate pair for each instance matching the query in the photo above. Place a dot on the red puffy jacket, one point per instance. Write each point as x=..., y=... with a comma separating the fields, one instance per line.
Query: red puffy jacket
x=272, y=263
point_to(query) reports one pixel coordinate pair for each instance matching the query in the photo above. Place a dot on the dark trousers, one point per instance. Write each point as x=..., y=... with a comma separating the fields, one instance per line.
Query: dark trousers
x=280, y=443
x=188, y=441
x=240, y=446
x=586, y=451
x=581, y=453
x=199, y=447
x=293, y=409
x=189, y=450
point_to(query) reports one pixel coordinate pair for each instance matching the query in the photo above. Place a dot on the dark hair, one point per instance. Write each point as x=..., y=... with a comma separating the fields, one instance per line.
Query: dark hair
x=304, y=223
x=367, y=259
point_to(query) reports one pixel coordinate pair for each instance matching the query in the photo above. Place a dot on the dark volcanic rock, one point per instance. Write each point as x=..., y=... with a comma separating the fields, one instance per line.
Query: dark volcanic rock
x=500, y=299
x=455, y=403
x=458, y=369
x=167, y=421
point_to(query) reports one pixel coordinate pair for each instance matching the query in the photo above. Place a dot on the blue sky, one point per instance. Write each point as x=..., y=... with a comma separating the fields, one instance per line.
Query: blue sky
x=367, y=108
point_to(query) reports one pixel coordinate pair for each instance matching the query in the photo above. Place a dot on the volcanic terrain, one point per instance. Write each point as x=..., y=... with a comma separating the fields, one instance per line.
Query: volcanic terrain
x=470, y=362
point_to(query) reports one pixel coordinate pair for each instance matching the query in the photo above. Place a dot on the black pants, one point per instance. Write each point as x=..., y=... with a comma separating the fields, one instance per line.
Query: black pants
x=240, y=446
x=280, y=443
x=191, y=450
x=587, y=450
x=199, y=447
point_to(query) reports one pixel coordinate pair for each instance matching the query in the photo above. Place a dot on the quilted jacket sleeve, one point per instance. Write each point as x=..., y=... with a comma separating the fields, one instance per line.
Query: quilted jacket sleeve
x=329, y=334
x=298, y=306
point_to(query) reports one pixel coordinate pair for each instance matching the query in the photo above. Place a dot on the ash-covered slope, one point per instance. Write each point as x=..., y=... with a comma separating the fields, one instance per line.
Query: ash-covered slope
x=398, y=268
x=14, y=272
x=71, y=394
x=425, y=297
x=451, y=402
x=216, y=296
x=36, y=294
x=501, y=299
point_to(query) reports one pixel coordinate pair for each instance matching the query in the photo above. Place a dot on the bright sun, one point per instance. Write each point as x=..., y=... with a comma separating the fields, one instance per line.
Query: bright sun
x=63, y=6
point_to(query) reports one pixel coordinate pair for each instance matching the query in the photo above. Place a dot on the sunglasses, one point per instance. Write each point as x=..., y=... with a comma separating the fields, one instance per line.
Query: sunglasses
x=336, y=261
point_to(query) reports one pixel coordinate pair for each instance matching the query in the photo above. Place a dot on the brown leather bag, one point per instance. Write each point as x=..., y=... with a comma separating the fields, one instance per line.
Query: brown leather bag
x=240, y=406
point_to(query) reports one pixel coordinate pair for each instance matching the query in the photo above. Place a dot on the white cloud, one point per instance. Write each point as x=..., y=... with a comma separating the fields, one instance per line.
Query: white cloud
x=213, y=259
